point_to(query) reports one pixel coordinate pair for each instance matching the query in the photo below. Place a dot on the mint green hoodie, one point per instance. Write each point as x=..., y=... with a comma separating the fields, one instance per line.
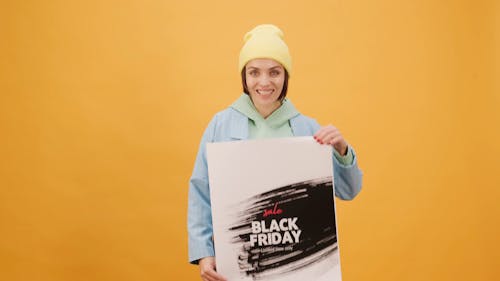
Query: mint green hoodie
x=275, y=125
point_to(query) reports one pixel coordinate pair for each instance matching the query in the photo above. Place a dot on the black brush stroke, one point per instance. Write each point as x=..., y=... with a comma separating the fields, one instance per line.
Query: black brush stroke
x=312, y=202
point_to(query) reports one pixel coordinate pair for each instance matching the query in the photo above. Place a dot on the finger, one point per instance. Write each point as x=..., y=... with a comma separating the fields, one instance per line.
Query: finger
x=320, y=135
x=206, y=277
x=329, y=137
x=212, y=275
x=335, y=138
x=323, y=131
x=339, y=141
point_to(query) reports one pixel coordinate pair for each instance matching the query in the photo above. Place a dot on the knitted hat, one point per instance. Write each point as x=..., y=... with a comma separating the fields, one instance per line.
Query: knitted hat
x=265, y=41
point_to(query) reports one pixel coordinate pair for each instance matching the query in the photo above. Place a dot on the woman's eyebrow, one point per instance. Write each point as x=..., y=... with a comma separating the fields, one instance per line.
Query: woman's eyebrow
x=254, y=67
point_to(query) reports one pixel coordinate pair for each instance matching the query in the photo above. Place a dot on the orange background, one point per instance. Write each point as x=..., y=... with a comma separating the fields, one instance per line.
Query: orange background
x=103, y=103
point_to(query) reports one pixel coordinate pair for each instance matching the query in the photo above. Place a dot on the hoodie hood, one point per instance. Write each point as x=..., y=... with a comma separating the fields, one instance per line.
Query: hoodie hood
x=277, y=119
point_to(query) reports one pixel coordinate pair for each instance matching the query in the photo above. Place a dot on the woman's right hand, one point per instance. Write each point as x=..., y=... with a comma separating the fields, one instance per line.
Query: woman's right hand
x=207, y=270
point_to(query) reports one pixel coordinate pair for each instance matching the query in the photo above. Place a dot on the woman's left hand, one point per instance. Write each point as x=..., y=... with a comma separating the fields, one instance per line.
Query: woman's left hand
x=332, y=136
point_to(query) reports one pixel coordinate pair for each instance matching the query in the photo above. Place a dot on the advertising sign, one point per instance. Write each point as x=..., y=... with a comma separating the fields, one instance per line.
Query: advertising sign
x=273, y=209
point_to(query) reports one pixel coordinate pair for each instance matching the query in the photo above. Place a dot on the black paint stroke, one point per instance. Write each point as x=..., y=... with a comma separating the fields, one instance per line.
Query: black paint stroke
x=312, y=202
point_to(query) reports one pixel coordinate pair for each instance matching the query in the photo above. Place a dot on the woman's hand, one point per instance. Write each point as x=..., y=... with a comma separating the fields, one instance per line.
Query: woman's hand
x=332, y=136
x=207, y=270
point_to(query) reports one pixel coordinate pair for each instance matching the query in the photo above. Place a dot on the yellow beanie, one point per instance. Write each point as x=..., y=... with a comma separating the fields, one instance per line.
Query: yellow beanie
x=265, y=41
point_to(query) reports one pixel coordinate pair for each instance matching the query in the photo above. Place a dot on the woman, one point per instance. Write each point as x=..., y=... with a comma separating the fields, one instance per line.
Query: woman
x=262, y=111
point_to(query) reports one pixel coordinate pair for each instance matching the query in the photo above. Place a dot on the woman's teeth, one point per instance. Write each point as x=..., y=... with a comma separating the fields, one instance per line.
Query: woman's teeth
x=264, y=92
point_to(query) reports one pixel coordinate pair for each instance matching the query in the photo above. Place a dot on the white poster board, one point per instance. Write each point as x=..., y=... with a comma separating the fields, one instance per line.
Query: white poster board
x=273, y=209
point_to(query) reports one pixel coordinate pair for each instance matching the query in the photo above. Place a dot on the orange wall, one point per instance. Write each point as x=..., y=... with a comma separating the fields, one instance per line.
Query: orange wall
x=103, y=103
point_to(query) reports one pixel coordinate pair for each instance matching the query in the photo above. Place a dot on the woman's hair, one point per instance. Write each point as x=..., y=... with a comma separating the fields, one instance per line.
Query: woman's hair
x=283, y=91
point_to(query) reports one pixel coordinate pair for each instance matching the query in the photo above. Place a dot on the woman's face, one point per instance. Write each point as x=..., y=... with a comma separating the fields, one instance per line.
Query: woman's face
x=265, y=79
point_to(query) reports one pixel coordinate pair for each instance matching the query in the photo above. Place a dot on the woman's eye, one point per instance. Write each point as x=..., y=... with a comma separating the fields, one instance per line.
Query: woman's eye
x=253, y=73
x=275, y=73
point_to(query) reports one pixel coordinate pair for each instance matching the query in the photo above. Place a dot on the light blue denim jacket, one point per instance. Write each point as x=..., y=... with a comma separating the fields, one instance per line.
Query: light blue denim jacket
x=231, y=125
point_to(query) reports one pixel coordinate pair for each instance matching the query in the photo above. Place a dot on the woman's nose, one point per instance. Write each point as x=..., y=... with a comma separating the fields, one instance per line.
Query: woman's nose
x=264, y=80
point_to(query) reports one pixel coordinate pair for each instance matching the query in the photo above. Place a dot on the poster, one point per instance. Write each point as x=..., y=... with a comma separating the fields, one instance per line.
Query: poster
x=273, y=209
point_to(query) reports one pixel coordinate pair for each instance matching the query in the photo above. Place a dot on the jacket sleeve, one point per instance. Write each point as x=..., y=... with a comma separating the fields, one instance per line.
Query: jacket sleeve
x=199, y=216
x=347, y=178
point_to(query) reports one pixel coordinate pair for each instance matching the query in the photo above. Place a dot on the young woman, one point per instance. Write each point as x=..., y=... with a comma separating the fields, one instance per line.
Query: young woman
x=262, y=111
